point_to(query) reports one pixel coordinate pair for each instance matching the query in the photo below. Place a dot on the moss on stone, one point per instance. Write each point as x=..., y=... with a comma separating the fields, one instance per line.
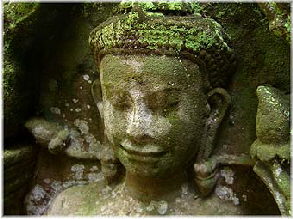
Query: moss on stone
x=160, y=6
x=263, y=170
x=279, y=18
x=43, y=130
x=15, y=155
x=16, y=13
x=127, y=31
x=273, y=115
x=267, y=152
x=262, y=58
x=18, y=18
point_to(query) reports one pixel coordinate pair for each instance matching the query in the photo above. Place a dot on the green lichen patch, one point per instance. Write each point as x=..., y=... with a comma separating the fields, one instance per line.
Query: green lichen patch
x=273, y=115
x=134, y=30
x=267, y=152
x=16, y=13
x=18, y=20
x=282, y=199
x=176, y=6
x=279, y=18
x=15, y=155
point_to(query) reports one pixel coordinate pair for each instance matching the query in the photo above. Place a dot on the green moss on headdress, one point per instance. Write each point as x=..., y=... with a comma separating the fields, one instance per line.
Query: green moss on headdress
x=153, y=28
x=157, y=31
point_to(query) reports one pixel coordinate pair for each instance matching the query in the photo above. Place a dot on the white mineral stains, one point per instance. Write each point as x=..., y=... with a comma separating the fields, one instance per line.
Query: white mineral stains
x=89, y=81
x=33, y=200
x=88, y=106
x=90, y=139
x=82, y=125
x=151, y=206
x=77, y=170
x=76, y=142
x=38, y=193
x=77, y=110
x=108, y=120
x=162, y=207
x=77, y=139
x=106, y=190
x=94, y=168
x=279, y=197
x=95, y=177
x=228, y=174
x=134, y=64
x=47, y=180
x=117, y=202
x=225, y=193
x=278, y=171
x=101, y=109
x=244, y=197
x=75, y=100
x=184, y=190
x=140, y=119
x=41, y=132
x=39, y=199
x=57, y=186
x=86, y=77
x=55, y=110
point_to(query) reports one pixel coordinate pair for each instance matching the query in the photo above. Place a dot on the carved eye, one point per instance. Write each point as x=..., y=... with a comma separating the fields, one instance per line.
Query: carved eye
x=121, y=101
x=171, y=105
x=155, y=101
x=172, y=102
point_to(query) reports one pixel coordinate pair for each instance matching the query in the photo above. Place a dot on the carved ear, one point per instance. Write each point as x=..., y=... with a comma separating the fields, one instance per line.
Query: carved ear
x=219, y=101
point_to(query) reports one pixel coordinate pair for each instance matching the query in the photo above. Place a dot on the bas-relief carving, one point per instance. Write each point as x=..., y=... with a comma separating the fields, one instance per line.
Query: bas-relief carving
x=151, y=117
x=162, y=107
x=271, y=149
x=156, y=122
x=161, y=111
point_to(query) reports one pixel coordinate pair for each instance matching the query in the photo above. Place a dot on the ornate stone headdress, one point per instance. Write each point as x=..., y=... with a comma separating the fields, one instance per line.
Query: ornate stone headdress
x=161, y=28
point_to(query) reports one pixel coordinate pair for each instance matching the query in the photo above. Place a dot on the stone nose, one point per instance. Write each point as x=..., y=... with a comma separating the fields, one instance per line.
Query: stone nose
x=139, y=122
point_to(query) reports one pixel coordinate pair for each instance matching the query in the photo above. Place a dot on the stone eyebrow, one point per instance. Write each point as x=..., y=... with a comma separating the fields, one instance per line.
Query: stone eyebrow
x=166, y=89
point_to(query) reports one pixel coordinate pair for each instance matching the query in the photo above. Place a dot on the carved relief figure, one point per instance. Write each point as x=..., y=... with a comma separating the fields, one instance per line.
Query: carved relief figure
x=271, y=149
x=162, y=80
x=139, y=120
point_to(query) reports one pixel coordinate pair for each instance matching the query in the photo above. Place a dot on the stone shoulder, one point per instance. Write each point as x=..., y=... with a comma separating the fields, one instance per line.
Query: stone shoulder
x=77, y=200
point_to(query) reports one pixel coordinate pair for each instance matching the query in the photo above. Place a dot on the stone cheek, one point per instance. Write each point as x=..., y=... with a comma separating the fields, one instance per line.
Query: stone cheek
x=153, y=105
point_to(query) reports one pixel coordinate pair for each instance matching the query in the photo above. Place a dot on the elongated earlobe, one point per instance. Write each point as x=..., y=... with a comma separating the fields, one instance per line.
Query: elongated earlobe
x=205, y=168
x=219, y=100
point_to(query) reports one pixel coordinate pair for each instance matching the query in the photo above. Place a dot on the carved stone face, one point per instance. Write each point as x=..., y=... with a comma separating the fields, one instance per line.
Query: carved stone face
x=155, y=110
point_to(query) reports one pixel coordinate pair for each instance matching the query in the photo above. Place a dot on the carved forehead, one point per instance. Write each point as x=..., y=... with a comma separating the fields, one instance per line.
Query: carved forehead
x=150, y=69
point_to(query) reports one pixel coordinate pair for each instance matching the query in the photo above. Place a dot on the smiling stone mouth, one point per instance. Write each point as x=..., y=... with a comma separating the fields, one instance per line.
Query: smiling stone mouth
x=146, y=151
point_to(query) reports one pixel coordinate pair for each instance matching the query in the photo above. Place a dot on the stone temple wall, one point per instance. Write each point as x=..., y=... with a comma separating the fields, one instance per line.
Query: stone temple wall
x=49, y=72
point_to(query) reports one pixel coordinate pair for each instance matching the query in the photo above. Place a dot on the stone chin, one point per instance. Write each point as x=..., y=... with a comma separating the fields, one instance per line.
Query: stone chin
x=148, y=166
x=161, y=164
